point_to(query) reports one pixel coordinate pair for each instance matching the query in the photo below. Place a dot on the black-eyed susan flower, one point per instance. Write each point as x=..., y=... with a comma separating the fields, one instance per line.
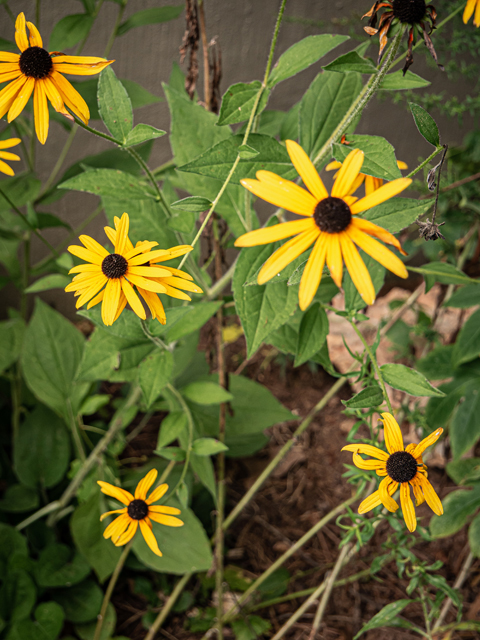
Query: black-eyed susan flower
x=110, y=278
x=412, y=12
x=38, y=71
x=371, y=183
x=6, y=155
x=470, y=7
x=401, y=468
x=138, y=511
x=330, y=223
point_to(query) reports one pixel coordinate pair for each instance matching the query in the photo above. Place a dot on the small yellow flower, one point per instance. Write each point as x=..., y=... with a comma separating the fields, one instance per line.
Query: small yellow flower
x=138, y=510
x=330, y=223
x=127, y=267
x=371, y=183
x=6, y=155
x=402, y=467
x=36, y=70
x=470, y=7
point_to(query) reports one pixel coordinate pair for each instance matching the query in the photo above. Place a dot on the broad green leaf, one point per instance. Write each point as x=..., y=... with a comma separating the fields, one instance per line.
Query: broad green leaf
x=465, y=297
x=207, y=447
x=100, y=356
x=54, y=281
x=353, y=299
x=172, y=453
x=261, y=308
x=20, y=189
x=114, y=105
x=150, y=16
x=474, y=536
x=386, y=617
x=246, y=152
x=379, y=161
x=18, y=498
x=42, y=449
x=49, y=618
x=154, y=373
x=87, y=533
x=142, y=133
x=82, y=602
x=171, y=428
x=13, y=546
x=183, y=221
x=464, y=471
x=52, y=351
x=303, y=54
x=59, y=566
x=409, y=380
x=194, y=204
x=217, y=161
x=11, y=339
x=69, y=31
x=457, y=507
x=128, y=327
x=109, y=183
x=323, y=106
x=437, y=365
x=47, y=221
x=87, y=631
x=425, y=124
x=196, y=316
x=398, y=81
x=17, y=595
x=312, y=334
x=184, y=548
x=238, y=101
x=439, y=410
x=250, y=627
x=206, y=393
x=397, y=213
x=351, y=61
x=371, y=396
x=467, y=345
x=443, y=272
x=465, y=426
x=94, y=403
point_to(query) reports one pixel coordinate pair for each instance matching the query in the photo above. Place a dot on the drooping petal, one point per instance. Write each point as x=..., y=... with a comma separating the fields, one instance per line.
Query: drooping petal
x=427, y=442
x=9, y=93
x=368, y=450
x=175, y=293
x=359, y=462
x=306, y=170
x=174, y=252
x=144, y=485
x=377, y=251
x=180, y=283
x=385, y=494
x=21, y=32
x=96, y=300
x=157, y=493
x=115, y=492
x=92, y=290
x=374, y=499
x=133, y=300
x=117, y=527
x=392, y=433
x=179, y=273
x=110, y=302
x=168, y=521
x=376, y=231
x=469, y=9
x=372, y=184
x=357, y=183
x=88, y=60
x=79, y=69
x=286, y=254
x=273, y=234
x=389, y=190
x=431, y=497
x=154, y=304
x=348, y=173
x=357, y=269
x=284, y=194
x=149, y=285
x=53, y=94
x=149, y=538
x=128, y=534
x=408, y=509
x=109, y=513
x=312, y=273
x=334, y=259
x=72, y=99
x=122, y=303
x=417, y=491
x=35, y=37
x=40, y=110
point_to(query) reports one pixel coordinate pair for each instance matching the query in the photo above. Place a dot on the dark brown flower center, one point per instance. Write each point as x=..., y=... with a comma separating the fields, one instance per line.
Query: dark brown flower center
x=332, y=215
x=402, y=466
x=114, y=266
x=36, y=63
x=137, y=509
x=410, y=11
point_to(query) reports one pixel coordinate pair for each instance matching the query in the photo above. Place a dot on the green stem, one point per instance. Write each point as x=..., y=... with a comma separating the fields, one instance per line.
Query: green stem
x=44, y=511
x=158, y=342
x=363, y=98
x=425, y=162
x=60, y=161
x=75, y=434
x=110, y=588
x=220, y=284
x=274, y=42
x=178, y=396
x=167, y=607
x=113, y=35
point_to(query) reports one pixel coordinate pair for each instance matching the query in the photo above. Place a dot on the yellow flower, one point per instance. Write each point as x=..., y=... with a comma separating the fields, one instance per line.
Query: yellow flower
x=6, y=155
x=470, y=7
x=330, y=222
x=127, y=267
x=371, y=183
x=402, y=467
x=35, y=69
x=138, y=511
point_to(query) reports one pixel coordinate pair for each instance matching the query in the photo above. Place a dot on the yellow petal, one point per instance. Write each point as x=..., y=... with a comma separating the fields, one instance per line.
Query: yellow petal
x=172, y=511
x=175, y=293
x=92, y=290
x=122, y=233
x=174, y=252
x=148, y=272
x=407, y=507
x=357, y=269
x=376, y=231
x=273, y=234
x=149, y=538
x=431, y=497
x=115, y=492
x=132, y=299
x=88, y=60
x=180, y=283
x=401, y=164
x=306, y=170
x=6, y=56
x=4, y=168
x=9, y=93
x=109, y=513
x=335, y=164
x=157, y=493
x=72, y=99
x=128, y=534
x=392, y=433
x=85, y=254
x=6, y=155
x=372, y=184
x=283, y=193
x=386, y=489
x=144, y=258
x=374, y=499
x=286, y=254
x=35, y=37
x=356, y=183
x=149, y=285
x=21, y=32
x=389, y=190
x=368, y=450
x=53, y=94
x=154, y=304
x=40, y=109
x=110, y=302
x=426, y=442
x=144, y=485
x=79, y=69
x=417, y=491
x=312, y=273
x=168, y=521
x=377, y=251
x=5, y=75
x=11, y=142
x=86, y=268
x=122, y=303
x=117, y=527
x=179, y=273
x=476, y=20
x=348, y=173
x=93, y=245
x=334, y=259
x=96, y=300
x=359, y=462
x=469, y=9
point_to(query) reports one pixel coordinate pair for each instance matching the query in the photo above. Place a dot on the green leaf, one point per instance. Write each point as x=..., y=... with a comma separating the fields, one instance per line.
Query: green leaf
x=465, y=426
x=443, y=272
x=20, y=190
x=303, y=54
x=195, y=317
x=371, y=396
x=467, y=345
x=398, y=81
x=386, y=617
x=171, y=428
x=87, y=631
x=69, y=31
x=246, y=152
x=439, y=410
x=183, y=221
x=353, y=299
x=217, y=161
x=397, y=213
x=474, y=536
x=42, y=449
x=464, y=471
x=11, y=339
x=437, y=365
x=100, y=356
x=54, y=281
x=154, y=373
x=58, y=566
x=250, y=627
x=457, y=507
x=107, y=182
x=206, y=393
x=19, y=498
x=351, y=61
x=323, y=106
x=194, y=204
x=172, y=453
x=142, y=133
x=17, y=595
x=262, y=308
x=207, y=447
x=464, y=298
x=13, y=547
x=312, y=334
x=379, y=161
x=150, y=16
x=425, y=124
x=49, y=618
x=238, y=101
x=93, y=403
x=82, y=602
x=114, y=105
x=184, y=548
x=412, y=382
x=52, y=351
